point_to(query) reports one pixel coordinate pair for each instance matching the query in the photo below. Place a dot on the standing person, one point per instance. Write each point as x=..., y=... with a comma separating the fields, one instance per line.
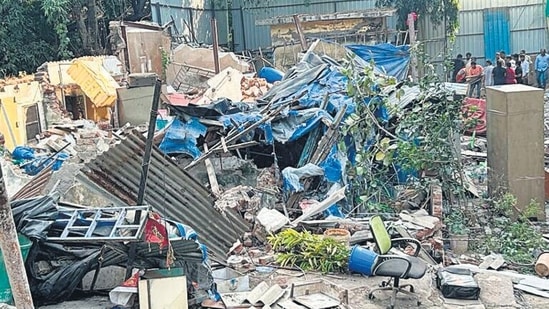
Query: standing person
x=542, y=63
x=519, y=73
x=510, y=75
x=502, y=55
x=474, y=79
x=526, y=56
x=458, y=65
x=499, y=73
x=468, y=60
x=525, y=66
x=488, y=77
x=510, y=60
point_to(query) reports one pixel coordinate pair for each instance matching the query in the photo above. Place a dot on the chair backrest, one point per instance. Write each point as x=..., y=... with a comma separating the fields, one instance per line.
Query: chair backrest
x=381, y=236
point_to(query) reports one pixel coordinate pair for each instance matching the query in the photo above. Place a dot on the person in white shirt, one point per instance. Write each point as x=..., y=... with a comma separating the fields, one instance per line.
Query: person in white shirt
x=488, y=78
x=526, y=57
x=525, y=64
x=468, y=60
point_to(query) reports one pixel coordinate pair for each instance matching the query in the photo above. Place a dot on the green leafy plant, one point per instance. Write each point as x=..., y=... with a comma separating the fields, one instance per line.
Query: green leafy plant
x=165, y=62
x=455, y=222
x=309, y=251
x=516, y=239
x=422, y=137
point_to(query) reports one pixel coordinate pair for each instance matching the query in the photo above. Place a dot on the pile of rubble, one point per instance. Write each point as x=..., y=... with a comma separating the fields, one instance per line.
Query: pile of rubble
x=212, y=238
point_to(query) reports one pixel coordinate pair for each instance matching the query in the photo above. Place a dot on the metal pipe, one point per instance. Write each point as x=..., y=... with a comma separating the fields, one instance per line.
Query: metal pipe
x=299, y=29
x=215, y=45
x=11, y=250
x=145, y=168
x=148, y=145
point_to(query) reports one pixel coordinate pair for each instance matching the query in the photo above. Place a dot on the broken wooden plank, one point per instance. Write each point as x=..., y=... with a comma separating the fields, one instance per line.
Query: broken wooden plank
x=477, y=154
x=538, y=283
x=320, y=207
x=424, y=221
x=211, y=175
x=223, y=144
x=531, y=290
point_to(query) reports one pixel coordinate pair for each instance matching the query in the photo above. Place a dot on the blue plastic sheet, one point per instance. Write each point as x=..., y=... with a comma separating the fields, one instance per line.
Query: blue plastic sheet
x=297, y=124
x=334, y=165
x=23, y=153
x=292, y=176
x=391, y=59
x=181, y=137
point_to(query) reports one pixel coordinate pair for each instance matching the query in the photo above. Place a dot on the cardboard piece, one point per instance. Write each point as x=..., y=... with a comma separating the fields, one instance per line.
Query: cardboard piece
x=170, y=292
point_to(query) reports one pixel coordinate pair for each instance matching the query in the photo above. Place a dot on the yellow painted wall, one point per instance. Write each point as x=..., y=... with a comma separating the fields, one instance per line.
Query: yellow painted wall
x=94, y=81
x=14, y=100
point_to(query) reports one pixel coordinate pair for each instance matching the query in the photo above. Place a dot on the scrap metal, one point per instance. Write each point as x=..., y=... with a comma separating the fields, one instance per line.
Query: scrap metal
x=35, y=186
x=170, y=191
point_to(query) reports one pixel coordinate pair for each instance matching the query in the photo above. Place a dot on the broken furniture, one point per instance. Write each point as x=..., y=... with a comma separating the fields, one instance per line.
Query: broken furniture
x=395, y=266
x=100, y=224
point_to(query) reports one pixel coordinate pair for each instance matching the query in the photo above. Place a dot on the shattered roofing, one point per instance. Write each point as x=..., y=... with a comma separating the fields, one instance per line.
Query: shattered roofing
x=170, y=191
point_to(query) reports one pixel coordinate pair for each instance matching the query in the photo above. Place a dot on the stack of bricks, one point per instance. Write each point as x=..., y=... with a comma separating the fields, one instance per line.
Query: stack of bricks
x=90, y=143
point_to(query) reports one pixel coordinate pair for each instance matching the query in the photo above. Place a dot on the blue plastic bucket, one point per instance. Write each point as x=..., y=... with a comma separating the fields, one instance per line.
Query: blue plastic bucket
x=362, y=260
x=270, y=74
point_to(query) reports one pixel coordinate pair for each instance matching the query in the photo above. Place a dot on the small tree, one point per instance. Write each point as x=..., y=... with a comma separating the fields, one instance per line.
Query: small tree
x=439, y=11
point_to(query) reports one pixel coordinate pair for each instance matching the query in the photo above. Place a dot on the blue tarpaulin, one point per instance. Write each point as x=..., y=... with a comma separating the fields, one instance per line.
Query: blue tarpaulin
x=181, y=137
x=390, y=59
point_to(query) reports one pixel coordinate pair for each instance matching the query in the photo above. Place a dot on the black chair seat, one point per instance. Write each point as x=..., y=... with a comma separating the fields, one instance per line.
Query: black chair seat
x=396, y=267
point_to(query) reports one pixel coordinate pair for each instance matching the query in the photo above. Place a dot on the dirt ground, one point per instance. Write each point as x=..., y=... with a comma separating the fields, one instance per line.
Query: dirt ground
x=496, y=292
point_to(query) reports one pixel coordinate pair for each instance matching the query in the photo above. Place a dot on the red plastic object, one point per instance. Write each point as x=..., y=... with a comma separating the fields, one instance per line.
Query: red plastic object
x=475, y=109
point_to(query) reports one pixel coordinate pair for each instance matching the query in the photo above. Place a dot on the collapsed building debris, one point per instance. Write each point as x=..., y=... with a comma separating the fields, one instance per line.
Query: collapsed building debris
x=70, y=246
x=292, y=127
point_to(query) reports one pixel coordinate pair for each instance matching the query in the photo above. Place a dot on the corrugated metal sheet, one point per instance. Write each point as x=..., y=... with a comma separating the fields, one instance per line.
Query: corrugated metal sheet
x=496, y=32
x=193, y=16
x=467, y=5
x=531, y=42
x=170, y=191
x=528, y=28
x=34, y=187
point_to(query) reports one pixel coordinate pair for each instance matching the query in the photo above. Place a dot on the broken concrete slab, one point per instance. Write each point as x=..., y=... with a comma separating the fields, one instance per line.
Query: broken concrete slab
x=264, y=294
x=538, y=283
x=492, y=261
x=496, y=290
x=226, y=84
x=420, y=218
x=532, y=290
x=271, y=219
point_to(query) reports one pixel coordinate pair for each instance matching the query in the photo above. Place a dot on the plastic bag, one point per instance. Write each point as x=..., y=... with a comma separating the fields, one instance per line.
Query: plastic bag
x=457, y=283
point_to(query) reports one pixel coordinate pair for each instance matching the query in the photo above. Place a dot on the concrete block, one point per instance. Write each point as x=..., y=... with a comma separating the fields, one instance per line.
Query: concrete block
x=496, y=291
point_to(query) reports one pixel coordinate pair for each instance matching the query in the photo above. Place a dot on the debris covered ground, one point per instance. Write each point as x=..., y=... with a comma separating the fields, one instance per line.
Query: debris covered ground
x=252, y=189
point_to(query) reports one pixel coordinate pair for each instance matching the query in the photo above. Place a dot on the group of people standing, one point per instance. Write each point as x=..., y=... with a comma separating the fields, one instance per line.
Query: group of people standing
x=508, y=69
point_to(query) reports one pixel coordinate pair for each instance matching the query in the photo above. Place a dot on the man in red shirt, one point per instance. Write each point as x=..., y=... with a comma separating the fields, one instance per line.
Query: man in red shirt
x=474, y=79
